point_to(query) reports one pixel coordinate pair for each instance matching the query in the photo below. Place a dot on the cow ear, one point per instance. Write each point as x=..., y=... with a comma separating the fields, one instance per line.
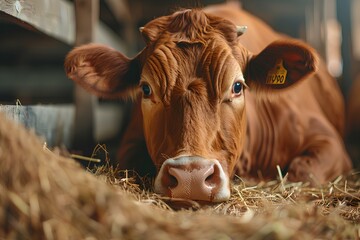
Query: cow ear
x=280, y=65
x=103, y=71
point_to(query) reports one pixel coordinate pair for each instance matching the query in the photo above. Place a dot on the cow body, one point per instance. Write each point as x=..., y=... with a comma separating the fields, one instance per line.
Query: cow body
x=295, y=124
x=197, y=123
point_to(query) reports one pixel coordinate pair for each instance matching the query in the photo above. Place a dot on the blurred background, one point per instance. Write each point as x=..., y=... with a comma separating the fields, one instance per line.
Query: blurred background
x=36, y=35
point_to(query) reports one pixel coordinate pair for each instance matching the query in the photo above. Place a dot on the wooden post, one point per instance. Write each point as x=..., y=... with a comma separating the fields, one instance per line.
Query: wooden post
x=344, y=17
x=87, y=15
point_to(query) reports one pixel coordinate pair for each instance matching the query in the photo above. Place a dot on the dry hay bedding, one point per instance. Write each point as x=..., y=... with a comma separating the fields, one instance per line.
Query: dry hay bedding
x=46, y=196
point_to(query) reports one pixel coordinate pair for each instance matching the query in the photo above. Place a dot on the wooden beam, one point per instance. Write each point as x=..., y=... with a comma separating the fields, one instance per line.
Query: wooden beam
x=54, y=18
x=52, y=122
x=104, y=35
x=120, y=10
x=355, y=28
x=344, y=17
x=87, y=15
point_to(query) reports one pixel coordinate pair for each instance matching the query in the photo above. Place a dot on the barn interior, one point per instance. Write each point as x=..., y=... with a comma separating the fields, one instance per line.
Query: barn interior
x=32, y=57
x=58, y=200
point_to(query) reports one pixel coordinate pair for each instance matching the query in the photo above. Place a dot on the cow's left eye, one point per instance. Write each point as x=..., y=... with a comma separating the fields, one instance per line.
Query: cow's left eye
x=237, y=88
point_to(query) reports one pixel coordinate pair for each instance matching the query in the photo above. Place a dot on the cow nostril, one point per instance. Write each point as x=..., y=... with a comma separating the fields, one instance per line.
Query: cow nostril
x=171, y=179
x=209, y=181
x=213, y=179
x=173, y=182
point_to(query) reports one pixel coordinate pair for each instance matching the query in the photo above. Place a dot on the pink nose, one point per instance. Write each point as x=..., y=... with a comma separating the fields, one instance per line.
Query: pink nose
x=193, y=178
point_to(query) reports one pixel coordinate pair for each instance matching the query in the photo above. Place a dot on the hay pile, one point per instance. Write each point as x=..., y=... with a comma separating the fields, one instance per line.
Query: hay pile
x=45, y=196
x=270, y=210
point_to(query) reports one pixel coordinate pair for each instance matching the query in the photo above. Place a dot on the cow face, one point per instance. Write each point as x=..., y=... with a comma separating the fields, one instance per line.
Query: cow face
x=193, y=76
x=196, y=104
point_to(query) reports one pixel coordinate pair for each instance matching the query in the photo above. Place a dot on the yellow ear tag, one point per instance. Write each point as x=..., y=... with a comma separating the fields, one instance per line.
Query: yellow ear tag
x=277, y=75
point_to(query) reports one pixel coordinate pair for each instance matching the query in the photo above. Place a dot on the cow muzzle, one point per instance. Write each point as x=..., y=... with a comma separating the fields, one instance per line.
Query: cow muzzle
x=194, y=178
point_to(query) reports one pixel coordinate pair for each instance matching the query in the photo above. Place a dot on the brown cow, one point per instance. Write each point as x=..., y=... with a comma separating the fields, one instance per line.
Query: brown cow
x=213, y=104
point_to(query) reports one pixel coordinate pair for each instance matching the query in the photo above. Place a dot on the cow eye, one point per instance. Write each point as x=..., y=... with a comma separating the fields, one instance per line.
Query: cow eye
x=236, y=88
x=146, y=89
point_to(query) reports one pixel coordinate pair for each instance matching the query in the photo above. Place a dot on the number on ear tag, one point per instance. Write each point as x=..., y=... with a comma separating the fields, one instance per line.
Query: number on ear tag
x=277, y=75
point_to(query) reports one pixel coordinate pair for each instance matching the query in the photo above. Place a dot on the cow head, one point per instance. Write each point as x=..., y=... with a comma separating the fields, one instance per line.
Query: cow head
x=193, y=76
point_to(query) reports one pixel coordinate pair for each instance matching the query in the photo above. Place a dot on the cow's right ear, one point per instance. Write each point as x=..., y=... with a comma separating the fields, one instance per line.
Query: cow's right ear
x=104, y=71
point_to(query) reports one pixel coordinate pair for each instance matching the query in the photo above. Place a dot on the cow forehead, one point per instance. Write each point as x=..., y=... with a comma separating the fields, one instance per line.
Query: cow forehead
x=192, y=25
x=174, y=64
